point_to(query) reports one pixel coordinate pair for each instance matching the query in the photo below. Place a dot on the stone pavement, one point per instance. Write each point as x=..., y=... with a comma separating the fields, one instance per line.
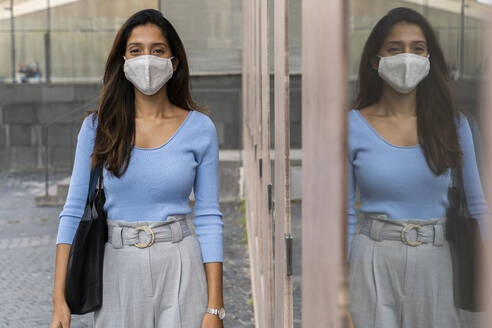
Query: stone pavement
x=27, y=255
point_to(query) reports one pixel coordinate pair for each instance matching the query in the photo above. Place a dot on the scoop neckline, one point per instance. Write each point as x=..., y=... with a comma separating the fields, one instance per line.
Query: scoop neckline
x=369, y=126
x=172, y=137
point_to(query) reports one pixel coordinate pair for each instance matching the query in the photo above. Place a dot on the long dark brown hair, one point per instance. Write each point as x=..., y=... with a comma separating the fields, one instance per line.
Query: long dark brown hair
x=116, y=110
x=436, y=110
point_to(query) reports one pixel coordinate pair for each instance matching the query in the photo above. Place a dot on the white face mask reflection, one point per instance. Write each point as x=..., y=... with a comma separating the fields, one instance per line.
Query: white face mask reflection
x=403, y=72
x=148, y=73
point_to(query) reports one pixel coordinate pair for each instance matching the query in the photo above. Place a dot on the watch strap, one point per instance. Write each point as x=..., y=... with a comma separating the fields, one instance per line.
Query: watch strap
x=213, y=311
x=216, y=312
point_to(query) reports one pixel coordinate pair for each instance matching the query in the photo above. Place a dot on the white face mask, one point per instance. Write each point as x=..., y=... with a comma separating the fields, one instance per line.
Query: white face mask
x=403, y=72
x=148, y=73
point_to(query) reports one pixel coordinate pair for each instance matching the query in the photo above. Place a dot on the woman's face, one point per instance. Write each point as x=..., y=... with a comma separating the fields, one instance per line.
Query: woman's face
x=147, y=39
x=404, y=38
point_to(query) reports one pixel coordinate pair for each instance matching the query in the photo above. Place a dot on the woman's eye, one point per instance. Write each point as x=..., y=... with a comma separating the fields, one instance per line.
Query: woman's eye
x=393, y=49
x=133, y=51
x=159, y=51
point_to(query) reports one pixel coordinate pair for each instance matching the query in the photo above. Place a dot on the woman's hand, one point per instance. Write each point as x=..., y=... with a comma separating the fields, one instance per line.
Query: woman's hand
x=61, y=311
x=61, y=315
x=211, y=321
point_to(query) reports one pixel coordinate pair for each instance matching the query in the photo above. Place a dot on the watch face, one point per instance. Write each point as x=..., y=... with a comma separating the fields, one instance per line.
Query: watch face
x=221, y=313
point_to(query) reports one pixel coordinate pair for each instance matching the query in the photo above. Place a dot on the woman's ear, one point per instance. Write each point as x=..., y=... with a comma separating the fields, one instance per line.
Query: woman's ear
x=175, y=63
x=375, y=62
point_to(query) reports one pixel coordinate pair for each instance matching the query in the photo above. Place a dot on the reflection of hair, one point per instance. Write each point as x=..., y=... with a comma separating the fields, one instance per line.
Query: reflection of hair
x=436, y=111
x=116, y=112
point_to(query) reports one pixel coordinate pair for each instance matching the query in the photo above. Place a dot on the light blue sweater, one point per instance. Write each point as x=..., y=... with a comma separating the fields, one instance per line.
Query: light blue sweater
x=397, y=180
x=157, y=183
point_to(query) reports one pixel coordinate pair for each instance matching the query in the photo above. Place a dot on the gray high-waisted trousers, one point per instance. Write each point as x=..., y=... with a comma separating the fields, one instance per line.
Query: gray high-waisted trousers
x=160, y=286
x=395, y=285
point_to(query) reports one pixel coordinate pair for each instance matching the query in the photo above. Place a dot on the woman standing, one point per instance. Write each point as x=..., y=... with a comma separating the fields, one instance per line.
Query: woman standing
x=404, y=138
x=155, y=146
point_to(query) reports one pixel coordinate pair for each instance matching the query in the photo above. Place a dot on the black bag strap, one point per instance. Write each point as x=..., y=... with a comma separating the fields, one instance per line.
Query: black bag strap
x=95, y=174
x=100, y=177
x=457, y=179
x=87, y=215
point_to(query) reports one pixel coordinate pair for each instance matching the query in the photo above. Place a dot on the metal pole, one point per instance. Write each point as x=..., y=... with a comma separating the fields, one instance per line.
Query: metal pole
x=47, y=54
x=47, y=42
x=46, y=162
x=12, y=40
x=462, y=41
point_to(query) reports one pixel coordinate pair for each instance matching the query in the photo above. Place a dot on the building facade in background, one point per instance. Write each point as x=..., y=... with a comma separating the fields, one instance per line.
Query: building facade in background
x=72, y=38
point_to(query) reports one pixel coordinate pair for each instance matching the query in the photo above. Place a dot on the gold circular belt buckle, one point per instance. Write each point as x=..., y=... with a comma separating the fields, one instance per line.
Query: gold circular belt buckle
x=404, y=236
x=145, y=228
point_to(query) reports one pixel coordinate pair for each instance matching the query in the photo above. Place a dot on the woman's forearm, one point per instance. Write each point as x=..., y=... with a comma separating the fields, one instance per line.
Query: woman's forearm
x=213, y=271
x=62, y=252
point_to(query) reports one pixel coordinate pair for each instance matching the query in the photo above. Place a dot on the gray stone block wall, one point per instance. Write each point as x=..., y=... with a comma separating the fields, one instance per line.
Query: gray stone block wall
x=22, y=157
x=3, y=136
x=61, y=156
x=26, y=108
x=21, y=135
x=222, y=96
x=19, y=113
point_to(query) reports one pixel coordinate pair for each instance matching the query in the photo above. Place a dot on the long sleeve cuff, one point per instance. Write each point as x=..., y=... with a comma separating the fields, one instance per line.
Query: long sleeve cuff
x=67, y=229
x=209, y=232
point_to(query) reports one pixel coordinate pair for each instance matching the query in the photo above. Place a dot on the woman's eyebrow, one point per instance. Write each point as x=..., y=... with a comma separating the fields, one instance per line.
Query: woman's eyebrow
x=394, y=42
x=401, y=42
x=153, y=44
x=160, y=44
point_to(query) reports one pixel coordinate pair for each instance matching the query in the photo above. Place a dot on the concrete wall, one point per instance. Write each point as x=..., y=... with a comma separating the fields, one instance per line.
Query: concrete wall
x=25, y=109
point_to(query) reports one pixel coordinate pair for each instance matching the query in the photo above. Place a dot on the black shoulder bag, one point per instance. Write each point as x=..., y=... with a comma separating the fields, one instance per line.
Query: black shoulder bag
x=83, y=288
x=465, y=243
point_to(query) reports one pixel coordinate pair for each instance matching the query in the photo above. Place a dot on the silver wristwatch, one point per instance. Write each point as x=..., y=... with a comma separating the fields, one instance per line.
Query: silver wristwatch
x=220, y=312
